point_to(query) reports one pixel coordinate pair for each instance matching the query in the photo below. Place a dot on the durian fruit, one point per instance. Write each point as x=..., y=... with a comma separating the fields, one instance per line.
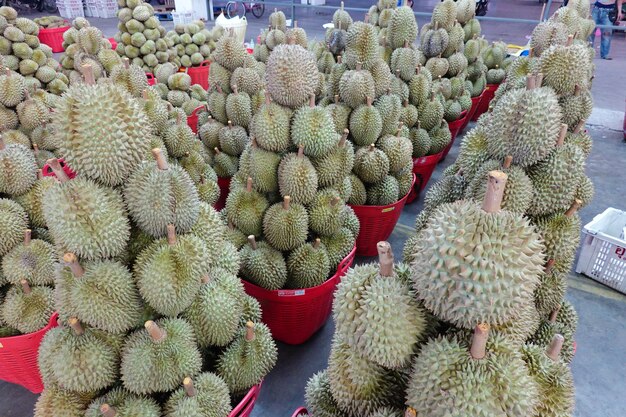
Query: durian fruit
x=312, y=127
x=326, y=213
x=342, y=18
x=402, y=27
x=245, y=208
x=566, y=66
x=12, y=87
x=232, y=138
x=371, y=164
x=206, y=394
x=57, y=402
x=119, y=402
x=168, y=272
x=13, y=222
x=560, y=233
x=291, y=85
x=27, y=308
x=430, y=112
x=157, y=358
x=263, y=265
x=319, y=398
x=551, y=290
x=270, y=126
x=365, y=318
x=444, y=372
x=443, y=273
x=547, y=34
x=18, y=168
x=262, y=166
x=157, y=185
x=33, y=260
x=398, y=150
x=308, y=265
x=562, y=321
x=359, y=193
x=366, y=124
x=297, y=177
x=334, y=167
x=361, y=45
x=248, y=359
x=383, y=193
x=179, y=138
x=285, y=225
x=130, y=77
x=356, y=85
x=338, y=246
x=239, y=107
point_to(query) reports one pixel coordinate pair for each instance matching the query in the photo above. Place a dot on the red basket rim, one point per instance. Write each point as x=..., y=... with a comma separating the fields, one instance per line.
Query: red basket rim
x=300, y=410
x=196, y=110
x=205, y=63
x=292, y=296
x=427, y=159
x=247, y=401
x=397, y=203
x=52, y=322
x=54, y=30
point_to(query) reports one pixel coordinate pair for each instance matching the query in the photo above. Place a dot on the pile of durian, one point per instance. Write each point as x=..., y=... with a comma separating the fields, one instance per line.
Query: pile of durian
x=21, y=51
x=193, y=42
x=476, y=72
x=277, y=34
x=51, y=22
x=154, y=320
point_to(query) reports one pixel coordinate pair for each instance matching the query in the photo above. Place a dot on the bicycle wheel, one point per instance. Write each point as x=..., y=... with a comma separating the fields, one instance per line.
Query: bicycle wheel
x=258, y=9
x=233, y=9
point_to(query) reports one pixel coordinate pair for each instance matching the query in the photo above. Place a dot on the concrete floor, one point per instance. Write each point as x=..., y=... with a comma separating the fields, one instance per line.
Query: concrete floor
x=599, y=365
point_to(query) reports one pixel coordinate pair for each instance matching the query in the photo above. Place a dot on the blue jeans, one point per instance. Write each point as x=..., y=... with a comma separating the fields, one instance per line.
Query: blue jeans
x=601, y=17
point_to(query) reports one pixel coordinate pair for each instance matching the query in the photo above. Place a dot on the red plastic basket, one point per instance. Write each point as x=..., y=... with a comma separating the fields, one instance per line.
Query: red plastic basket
x=472, y=111
x=113, y=43
x=455, y=128
x=18, y=358
x=294, y=316
x=47, y=171
x=192, y=119
x=377, y=223
x=246, y=405
x=53, y=37
x=199, y=74
x=299, y=411
x=487, y=96
x=423, y=169
x=224, y=184
x=151, y=79
x=250, y=51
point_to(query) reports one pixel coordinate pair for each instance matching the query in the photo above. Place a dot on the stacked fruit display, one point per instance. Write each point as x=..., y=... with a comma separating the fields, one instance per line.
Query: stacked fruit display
x=329, y=51
x=50, y=22
x=286, y=206
x=193, y=42
x=21, y=51
x=272, y=37
x=476, y=72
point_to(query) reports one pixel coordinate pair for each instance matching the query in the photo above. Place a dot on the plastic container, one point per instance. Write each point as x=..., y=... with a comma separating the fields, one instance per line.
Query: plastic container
x=18, y=356
x=603, y=249
x=47, y=171
x=246, y=405
x=299, y=411
x=472, y=111
x=377, y=223
x=53, y=38
x=293, y=316
x=192, y=119
x=71, y=11
x=455, y=128
x=107, y=10
x=239, y=25
x=199, y=74
x=114, y=45
x=182, y=18
x=487, y=96
x=151, y=79
x=423, y=168
x=224, y=184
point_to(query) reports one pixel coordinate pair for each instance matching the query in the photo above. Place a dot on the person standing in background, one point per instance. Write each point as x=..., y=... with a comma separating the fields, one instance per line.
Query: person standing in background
x=602, y=9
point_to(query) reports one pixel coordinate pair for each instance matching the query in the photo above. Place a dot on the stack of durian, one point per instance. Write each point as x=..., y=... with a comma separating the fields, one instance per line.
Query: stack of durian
x=21, y=51
x=154, y=319
x=176, y=88
x=193, y=43
x=286, y=208
x=51, y=22
x=141, y=37
x=476, y=72
x=329, y=51
x=85, y=44
x=380, y=14
x=271, y=37
x=494, y=57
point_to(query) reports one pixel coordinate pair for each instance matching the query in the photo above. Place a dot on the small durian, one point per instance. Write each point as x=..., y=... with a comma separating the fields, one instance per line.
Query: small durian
x=371, y=164
x=319, y=398
x=285, y=225
x=312, y=127
x=18, y=168
x=13, y=222
x=245, y=208
x=233, y=139
x=297, y=177
x=291, y=75
x=270, y=126
x=179, y=138
x=334, y=167
x=34, y=261
x=338, y=246
x=204, y=395
x=263, y=265
x=366, y=124
x=119, y=402
x=239, y=107
x=326, y=213
x=27, y=308
x=308, y=265
x=383, y=193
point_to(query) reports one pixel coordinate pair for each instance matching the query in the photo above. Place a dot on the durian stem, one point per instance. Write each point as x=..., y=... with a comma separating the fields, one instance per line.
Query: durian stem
x=405, y=103
x=76, y=326
x=54, y=164
x=234, y=87
x=336, y=98
x=410, y=412
x=27, y=236
x=539, y=81
x=385, y=259
x=344, y=137
x=219, y=88
x=436, y=25
x=286, y=201
x=570, y=40
x=478, y=350
x=39, y=174
x=205, y=279
x=88, y=74
x=334, y=201
x=107, y=411
x=72, y=262
x=300, y=151
x=508, y=160
x=368, y=100
x=190, y=390
x=418, y=68
x=341, y=6
x=366, y=19
x=35, y=149
x=217, y=151
x=252, y=242
x=317, y=243
x=562, y=133
x=160, y=159
x=2, y=145
x=25, y=286
x=399, y=129
x=579, y=126
x=549, y=266
x=555, y=314
x=530, y=81
x=126, y=62
x=554, y=349
x=495, y=191
x=359, y=66
x=253, y=142
x=171, y=234
x=577, y=90
x=573, y=208
x=267, y=99
x=295, y=24
x=530, y=52
x=406, y=43
x=312, y=101
x=339, y=29
x=144, y=94
x=230, y=124
x=179, y=119
x=432, y=96
x=372, y=147
x=249, y=185
x=156, y=333
x=249, y=331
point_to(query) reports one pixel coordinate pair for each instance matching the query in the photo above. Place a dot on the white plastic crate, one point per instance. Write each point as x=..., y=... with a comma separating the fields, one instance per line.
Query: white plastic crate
x=603, y=252
x=71, y=11
x=107, y=11
x=91, y=9
x=182, y=18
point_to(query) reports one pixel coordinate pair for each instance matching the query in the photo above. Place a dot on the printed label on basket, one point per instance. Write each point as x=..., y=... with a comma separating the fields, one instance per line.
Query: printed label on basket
x=388, y=209
x=620, y=252
x=291, y=293
x=422, y=160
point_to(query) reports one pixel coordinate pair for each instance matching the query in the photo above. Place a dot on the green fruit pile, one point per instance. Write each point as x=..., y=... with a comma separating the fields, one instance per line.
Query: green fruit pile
x=51, y=22
x=21, y=51
x=193, y=43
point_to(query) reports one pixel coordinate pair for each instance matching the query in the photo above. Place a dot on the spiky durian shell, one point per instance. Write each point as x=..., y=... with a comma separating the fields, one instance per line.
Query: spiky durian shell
x=361, y=44
x=384, y=192
x=547, y=34
x=338, y=246
x=551, y=291
x=270, y=127
x=247, y=80
x=420, y=87
x=444, y=371
x=473, y=152
x=291, y=75
x=125, y=404
x=581, y=139
x=366, y=125
x=340, y=112
x=86, y=219
x=318, y=396
x=360, y=315
x=211, y=398
x=444, y=14
x=585, y=191
x=233, y=139
x=263, y=170
x=286, y=229
x=219, y=77
x=560, y=233
x=430, y=113
x=325, y=216
x=440, y=138
x=101, y=130
x=297, y=178
x=421, y=142
x=209, y=133
x=245, y=362
x=564, y=67
x=335, y=166
x=546, y=332
x=402, y=27
x=307, y=266
x=263, y=266
x=359, y=194
x=245, y=210
x=27, y=312
x=239, y=108
x=13, y=89
x=34, y=262
x=442, y=267
x=312, y=127
x=371, y=165
x=434, y=42
x=398, y=150
x=576, y=108
x=355, y=86
x=149, y=367
x=179, y=139
x=18, y=169
x=57, y=402
x=229, y=53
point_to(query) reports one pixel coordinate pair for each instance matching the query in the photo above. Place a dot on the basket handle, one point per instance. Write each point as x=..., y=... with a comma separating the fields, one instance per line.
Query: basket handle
x=247, y=403
x=149, y=76
x=205, y=63
x=300, y=410
x=346, y=262
x=196, y=110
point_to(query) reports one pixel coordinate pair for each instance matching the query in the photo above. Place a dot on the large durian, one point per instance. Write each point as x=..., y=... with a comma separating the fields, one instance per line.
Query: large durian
x=291, y=75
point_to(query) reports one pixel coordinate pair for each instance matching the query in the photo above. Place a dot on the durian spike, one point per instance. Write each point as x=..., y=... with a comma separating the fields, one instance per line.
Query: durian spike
x=385, y=259
x=312, y=101
x=317, y=243
x=171, y=234
x=554, y=349
x=410, y=412
x=160, y=159
x=107, y=411
x=234, y=87
x=25, y=286
x=300, y=151
x=156, y=333
x=27, y=236
x=579, y=126
x=359, y=65
x=252, y=242
x=478, y=350
x=190, y=390
x=555, y=314
x=76, y=326
x=249, y=331
x=344, y=137
x=336, y=98
x=372, y=147
x=88, y=74
x=539, y=81
x=530, y=81
x=508, y=160
x=549, y=266
x=249, y=184
x=54, y=164
x=334, y=201
x=573, y=208
x=570, y=40
x=286, y=202
x=72, y=262
x=562, y=133
x=495, y=191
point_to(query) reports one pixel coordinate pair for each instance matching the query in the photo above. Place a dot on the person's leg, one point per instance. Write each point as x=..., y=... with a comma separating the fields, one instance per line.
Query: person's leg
x=594, y=17
x=607, y=34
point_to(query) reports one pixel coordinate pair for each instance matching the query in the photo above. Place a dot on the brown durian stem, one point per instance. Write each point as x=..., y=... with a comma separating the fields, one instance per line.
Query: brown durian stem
x=341, y=5
x=385, y=259
x=334, y=201
x=88, y=74
x=160, y=159
x=478, y=350
x=432, y=96
x=267, y=99
x=190, y=390
x=156, y=333
x=205, y=279
x=76, y=326
x=554, y=315
x=508, y=160
x=359, y=66
x=27, y=236
x=539, y=80
x=39, y=174
x=25, y=286
x=312, y=101
x=35, y=149
x=217, y=151
x=372, y=147
x=399, y=129
x=530, y=81
x=573, y=208
x=249, y=185
x=579, y=126
x=366, y=19
x=126, y=62
x=418, y=68
x=252, y=241
x=554, y=349
x=368, y=101
x=249, y=331
x=171, y=234
x=317, y=243
x=495, y=191
x=2, y=144
x=530, y=52
x=107, y=411
x=336, y=98
x=300, y=151
x=286, y=202
x=570, y=40
x=54, y=164
x=410, y=412
x=549, y=266
x=561, y=139
x=344, y=137
x=234, y=87
x=72, y=262
x=219, y=88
